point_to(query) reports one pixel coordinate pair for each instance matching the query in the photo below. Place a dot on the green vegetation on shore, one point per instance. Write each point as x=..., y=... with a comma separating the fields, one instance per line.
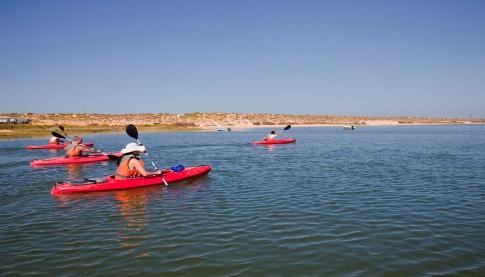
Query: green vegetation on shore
x=12, y=131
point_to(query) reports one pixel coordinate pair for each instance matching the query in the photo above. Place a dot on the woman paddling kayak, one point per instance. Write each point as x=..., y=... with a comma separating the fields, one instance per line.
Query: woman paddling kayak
x=131, y=165
x=76, y=148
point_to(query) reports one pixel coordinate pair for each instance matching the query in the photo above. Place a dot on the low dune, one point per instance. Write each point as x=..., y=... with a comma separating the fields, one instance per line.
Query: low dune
x=42, y=123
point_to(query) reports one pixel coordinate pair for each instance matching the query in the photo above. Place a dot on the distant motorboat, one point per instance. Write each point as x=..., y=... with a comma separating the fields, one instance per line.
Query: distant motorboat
x=224, y=130
x=351, y=127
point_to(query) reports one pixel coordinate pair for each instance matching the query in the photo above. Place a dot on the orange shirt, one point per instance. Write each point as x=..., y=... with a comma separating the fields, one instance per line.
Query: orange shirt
x=74, y=151
x=124, y=170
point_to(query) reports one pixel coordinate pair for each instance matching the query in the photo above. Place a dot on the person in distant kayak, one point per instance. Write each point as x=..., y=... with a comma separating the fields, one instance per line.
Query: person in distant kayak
x=131, y=165
x=272, y=135
x=54, y=140
x=76, y=149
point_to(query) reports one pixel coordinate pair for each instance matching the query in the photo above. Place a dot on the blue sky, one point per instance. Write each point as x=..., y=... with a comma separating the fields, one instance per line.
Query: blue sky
x=379, y=58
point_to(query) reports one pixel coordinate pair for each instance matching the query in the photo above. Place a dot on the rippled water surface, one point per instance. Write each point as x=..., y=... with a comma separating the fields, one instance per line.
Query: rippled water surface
x=393, y=200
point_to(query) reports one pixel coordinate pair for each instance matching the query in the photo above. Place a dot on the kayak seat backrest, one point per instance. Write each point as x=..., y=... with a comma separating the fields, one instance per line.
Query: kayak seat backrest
x=93, y=181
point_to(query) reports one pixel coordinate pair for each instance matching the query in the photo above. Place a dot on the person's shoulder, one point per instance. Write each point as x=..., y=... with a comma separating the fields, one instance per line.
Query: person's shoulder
x=134, y=159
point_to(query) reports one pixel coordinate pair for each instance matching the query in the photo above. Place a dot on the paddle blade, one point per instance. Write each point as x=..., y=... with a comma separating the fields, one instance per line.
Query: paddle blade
x=57, y=135
x=287, y=127
x=132, y=131
x=61, y=127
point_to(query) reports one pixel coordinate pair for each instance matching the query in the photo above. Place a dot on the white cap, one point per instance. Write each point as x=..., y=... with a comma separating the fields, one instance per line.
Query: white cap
x=132, y=147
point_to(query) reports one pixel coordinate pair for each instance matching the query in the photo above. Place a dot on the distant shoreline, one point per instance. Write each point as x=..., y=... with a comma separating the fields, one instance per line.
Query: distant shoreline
x=45, y=133
x=41, y=125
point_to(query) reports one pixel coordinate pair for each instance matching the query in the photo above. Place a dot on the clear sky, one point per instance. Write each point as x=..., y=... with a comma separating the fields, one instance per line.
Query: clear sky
x=380, y=58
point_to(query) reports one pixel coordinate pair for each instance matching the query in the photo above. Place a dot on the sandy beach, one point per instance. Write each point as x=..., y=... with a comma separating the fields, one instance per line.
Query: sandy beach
x=42, y=124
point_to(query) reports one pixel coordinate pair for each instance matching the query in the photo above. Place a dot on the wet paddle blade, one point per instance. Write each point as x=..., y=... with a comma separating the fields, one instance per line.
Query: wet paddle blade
x=64, y=131
x=57, y=135
x=132, y=131
x=287, y=127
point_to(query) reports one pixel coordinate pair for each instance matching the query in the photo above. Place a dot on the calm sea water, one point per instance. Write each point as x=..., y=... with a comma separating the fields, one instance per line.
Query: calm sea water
x=394, y=201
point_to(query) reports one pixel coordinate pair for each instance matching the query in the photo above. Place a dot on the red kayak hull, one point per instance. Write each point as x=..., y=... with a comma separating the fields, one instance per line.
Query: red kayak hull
x=73, y=160
x=110, y=183
x=53, y=146
x=274, y=141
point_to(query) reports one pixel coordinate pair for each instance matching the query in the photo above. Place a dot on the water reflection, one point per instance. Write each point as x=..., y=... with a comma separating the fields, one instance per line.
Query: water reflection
x=132, y=206
x=74, y=172
x=196, y=184
x=273, y=147
x=270, y=147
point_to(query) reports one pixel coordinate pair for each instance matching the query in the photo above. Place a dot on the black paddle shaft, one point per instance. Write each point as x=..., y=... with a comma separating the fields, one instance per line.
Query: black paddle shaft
x=57, y=135
x=133, y=132
x=63, y=130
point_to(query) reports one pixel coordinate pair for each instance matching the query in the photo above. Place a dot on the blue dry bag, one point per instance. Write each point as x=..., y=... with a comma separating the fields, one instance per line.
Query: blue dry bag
x=177, y=168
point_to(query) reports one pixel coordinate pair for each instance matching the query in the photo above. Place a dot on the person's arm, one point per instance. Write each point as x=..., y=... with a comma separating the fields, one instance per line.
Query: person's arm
x=137, y=165
x=89, y=149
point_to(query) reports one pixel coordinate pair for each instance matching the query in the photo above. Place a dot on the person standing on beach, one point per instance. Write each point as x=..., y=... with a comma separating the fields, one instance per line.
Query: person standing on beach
x=76, y=149
x=272, y=135
x=131, y=165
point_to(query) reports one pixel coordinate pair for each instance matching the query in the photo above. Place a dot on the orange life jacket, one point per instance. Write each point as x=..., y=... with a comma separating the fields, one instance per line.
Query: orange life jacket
x=124, y=170
x=73, y=151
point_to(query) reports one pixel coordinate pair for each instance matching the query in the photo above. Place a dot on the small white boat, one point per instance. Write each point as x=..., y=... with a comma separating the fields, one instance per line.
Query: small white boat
x=224, y=130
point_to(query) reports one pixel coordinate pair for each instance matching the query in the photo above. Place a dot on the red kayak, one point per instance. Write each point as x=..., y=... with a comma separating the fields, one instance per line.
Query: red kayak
x=73, y=160
x=110, y=183
x=54, y=146
x=274, y=141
